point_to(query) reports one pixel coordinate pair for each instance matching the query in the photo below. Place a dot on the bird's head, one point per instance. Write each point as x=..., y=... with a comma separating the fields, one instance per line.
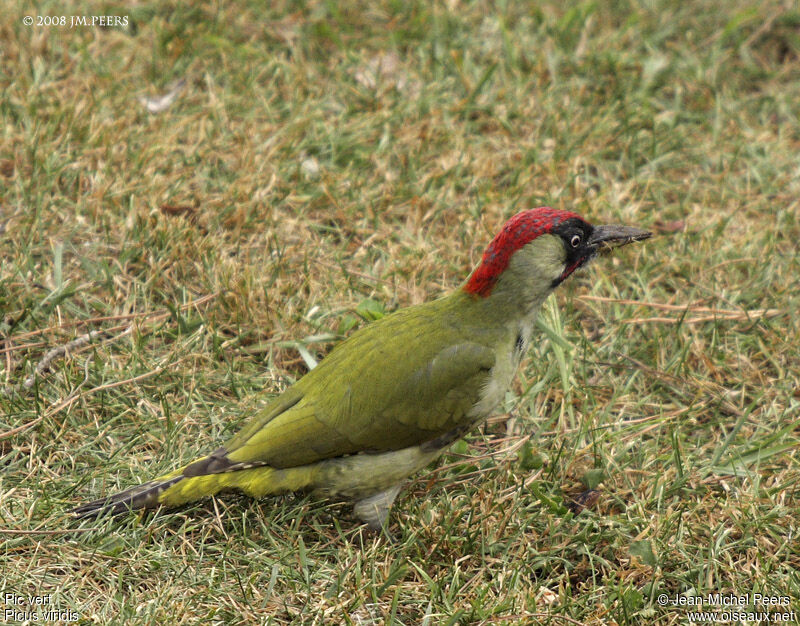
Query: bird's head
x=536, y=250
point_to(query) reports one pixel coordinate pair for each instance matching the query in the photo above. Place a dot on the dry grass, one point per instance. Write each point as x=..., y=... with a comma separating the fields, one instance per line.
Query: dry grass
x=320, y=162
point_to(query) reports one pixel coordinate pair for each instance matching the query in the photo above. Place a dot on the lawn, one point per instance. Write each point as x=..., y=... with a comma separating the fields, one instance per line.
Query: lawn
x=198, y=203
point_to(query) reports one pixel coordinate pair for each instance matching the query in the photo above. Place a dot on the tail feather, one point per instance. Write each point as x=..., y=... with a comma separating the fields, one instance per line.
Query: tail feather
x=144, y=496
x=179, y=488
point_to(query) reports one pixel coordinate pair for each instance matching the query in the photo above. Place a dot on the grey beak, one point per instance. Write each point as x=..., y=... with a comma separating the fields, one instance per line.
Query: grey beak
x=612, y=236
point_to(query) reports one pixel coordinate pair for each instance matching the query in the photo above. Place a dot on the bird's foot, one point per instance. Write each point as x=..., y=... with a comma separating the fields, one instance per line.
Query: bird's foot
x=374, y=509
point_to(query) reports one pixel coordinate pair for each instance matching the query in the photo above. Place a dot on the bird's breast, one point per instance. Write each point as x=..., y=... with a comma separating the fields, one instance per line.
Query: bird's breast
x=509, y=356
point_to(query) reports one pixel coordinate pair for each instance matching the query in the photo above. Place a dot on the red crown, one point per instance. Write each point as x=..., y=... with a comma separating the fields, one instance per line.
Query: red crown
x=521, y=229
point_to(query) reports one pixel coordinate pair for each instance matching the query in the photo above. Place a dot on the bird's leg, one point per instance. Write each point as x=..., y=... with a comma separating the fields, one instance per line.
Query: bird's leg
x=374, y=510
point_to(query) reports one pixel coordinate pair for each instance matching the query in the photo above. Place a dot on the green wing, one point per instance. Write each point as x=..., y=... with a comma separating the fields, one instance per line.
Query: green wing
x=368, y=396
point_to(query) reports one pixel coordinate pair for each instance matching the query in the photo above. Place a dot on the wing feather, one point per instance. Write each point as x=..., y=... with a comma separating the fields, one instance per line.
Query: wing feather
x=345, y=406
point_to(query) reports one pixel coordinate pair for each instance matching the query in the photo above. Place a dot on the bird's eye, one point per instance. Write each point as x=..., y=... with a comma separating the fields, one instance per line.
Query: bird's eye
x=575, y=241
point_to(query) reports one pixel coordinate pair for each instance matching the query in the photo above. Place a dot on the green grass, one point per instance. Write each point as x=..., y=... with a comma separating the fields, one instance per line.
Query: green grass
x=220, y=264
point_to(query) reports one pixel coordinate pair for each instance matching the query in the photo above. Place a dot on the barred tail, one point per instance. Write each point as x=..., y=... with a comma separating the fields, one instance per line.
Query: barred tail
x=144, y=496
x=183, y=485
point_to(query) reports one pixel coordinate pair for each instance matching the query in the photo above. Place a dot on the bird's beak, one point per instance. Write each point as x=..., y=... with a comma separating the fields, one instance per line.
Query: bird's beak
x=613, y=236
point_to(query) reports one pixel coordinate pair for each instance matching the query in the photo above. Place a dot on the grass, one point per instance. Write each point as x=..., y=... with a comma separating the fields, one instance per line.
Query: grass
x=324, y=163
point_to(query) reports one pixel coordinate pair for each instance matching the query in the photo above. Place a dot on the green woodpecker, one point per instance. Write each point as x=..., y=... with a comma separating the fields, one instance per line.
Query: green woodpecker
x=391, y=398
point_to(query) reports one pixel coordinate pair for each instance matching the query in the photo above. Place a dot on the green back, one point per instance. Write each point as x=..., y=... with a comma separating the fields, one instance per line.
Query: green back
x=401, y=381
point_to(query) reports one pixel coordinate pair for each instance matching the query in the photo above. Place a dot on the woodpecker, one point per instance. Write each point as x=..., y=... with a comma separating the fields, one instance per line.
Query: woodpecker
x=396, y=394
